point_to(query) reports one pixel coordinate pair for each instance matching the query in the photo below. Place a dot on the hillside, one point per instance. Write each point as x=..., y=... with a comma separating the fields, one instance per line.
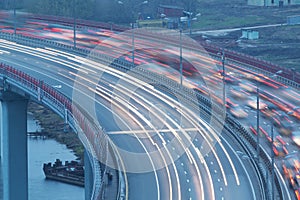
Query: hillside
x=280, y=45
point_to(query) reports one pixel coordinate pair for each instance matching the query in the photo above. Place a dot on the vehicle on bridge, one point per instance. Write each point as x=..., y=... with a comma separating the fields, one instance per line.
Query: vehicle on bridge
x=279, y=149
x=238, y=112
x=296, y=137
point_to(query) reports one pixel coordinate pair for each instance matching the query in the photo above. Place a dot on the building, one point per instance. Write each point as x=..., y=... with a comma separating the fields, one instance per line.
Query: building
x=150, y=23
x=170, y=14
x=250, y=34
x=10, y=4
x=293, y=20
x=278, y=3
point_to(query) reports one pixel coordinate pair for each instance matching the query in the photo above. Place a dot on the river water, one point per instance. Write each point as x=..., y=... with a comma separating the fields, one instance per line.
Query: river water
x=42, y=151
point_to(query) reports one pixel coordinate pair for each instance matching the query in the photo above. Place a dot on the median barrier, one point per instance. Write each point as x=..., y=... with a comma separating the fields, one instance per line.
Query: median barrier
x=125, y=65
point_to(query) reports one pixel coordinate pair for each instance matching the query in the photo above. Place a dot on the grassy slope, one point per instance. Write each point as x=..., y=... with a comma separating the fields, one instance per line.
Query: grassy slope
x=53, y=127
x=280, y=45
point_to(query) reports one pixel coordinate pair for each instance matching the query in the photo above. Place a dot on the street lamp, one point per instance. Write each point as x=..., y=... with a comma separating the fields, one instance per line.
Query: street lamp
x=257, y=114
x=74, y=24
x=180, y=56
x=194, y=19
x=273, y=167
x=293, y=72
x=132, y=26
x=257, y=122
x=15, y=18
x=182, y=19
x=190, y=19
x=223, y=75
x=142, y=3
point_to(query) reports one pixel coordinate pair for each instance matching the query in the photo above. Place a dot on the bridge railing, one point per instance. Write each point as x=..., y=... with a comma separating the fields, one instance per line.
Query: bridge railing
x=236, y=130
x=62, y=105
x=289, y=77
x=244, y=136
x=79, y=22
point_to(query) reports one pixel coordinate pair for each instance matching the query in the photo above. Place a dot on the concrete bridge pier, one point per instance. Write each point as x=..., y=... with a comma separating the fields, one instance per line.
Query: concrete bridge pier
x=88, y=176
x=14, y=146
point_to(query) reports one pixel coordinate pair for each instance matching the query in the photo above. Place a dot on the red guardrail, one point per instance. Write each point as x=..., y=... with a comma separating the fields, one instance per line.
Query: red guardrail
x=243, y=58
x=57, y=99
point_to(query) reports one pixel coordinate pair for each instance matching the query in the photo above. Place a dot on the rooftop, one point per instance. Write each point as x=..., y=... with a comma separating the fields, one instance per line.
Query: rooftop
x=170, y=6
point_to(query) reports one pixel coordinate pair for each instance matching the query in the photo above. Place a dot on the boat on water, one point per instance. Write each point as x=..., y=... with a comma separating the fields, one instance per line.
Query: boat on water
x=71, y=172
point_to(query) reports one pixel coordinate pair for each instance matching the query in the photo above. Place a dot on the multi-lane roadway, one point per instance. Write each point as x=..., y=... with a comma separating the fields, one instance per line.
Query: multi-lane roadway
x=166, y=149
x=144, y=122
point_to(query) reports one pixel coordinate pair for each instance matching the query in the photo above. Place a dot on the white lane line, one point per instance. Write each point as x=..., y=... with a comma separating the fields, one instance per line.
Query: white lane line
x=162, y=131
x=243, y=166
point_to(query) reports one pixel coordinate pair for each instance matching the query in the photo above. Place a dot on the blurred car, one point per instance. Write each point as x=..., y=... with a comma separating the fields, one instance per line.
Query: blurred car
x=229, y=78
x=285, y=128
x=237, y=92
x=296, y=137
x=280, y=139
x=279, y=149
x=253, y=130
x=268, y=113
x=292, y=95
x=262, y=132
x=290, y=168
x=293, y=160
x=265, y=133
x=282, y=115
x=295, y=182
x=297, y=194
x=238, y=112
x=253, y=104
x=230, y=104
x=248, y=87
x=295, y=112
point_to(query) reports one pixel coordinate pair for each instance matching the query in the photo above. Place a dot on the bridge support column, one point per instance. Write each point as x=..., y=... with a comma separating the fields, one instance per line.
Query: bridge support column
x=14, y=146
x=88, y=176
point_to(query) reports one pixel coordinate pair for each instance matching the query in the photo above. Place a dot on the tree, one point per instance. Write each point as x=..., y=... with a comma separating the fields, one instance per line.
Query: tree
x=103, y=10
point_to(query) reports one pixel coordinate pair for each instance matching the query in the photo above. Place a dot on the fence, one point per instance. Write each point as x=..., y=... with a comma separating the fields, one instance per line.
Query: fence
x=76, y=117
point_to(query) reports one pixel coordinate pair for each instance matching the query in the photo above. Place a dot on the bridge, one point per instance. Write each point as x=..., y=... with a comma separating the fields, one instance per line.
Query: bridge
x=197, y=153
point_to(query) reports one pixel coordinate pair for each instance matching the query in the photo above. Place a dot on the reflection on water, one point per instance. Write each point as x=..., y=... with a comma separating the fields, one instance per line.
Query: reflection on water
x=42, y=151
x=39, y=152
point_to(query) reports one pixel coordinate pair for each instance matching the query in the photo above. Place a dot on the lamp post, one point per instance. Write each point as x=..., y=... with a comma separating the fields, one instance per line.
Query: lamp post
x=15, y=18
x=132, y=26
x=74, y=24
x=257, y=114
x=273, y=170
x=257, y=122
x=193, y=19
x=293, y=72
x=180, y=43
x=132, y=29
x=190, y=19
x=223, y=75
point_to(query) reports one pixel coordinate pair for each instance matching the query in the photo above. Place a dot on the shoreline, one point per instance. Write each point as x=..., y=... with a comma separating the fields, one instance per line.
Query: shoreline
x=52, y=127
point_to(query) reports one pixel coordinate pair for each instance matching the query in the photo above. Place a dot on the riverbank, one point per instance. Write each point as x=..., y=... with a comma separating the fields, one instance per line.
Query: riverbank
x=53, y=127
x=42, y=151
x=277, y=44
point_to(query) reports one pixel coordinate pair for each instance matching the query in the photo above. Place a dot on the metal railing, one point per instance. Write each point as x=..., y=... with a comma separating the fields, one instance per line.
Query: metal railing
x=243, y=136
x=59, y=103
x=288, y=77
